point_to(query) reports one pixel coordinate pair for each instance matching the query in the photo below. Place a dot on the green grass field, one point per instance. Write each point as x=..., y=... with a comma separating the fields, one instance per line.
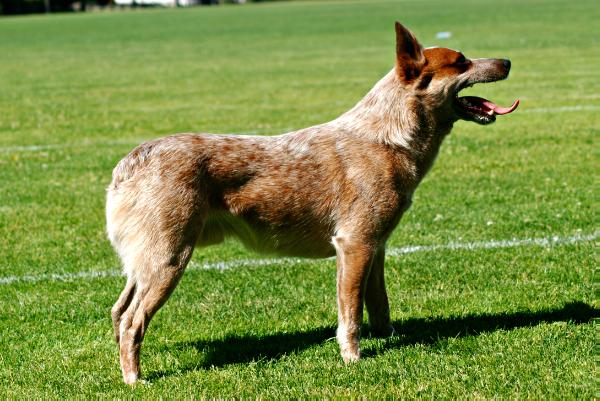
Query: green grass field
x=77, y=92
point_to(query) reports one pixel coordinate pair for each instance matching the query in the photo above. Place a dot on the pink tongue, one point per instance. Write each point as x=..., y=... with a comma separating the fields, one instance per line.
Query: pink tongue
x=492, y=106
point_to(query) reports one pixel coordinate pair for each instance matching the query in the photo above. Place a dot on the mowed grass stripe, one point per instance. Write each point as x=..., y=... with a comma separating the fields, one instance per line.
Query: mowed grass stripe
x=390, y=252
x=133, y=142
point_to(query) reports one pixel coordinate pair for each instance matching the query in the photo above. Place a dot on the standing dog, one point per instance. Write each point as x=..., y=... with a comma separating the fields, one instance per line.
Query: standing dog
x=337, y=188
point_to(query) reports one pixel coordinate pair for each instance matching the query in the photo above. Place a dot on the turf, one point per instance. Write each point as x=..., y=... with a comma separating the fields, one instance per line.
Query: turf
x=77, y=92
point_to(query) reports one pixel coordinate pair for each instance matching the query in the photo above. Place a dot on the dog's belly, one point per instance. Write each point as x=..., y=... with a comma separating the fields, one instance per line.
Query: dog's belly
x=286, y=240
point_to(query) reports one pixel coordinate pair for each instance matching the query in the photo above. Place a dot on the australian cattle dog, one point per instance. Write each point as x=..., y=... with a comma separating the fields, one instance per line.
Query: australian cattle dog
x=338, y=188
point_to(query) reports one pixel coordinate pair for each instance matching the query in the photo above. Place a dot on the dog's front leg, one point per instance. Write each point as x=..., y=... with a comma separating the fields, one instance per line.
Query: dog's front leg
x=354, y=259
x=376, y=298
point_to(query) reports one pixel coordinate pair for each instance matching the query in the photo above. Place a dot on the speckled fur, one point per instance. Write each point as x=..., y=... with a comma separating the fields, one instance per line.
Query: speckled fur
x=336, y=188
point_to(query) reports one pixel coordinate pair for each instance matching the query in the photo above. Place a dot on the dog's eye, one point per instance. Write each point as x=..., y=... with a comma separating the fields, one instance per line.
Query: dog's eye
x=461, y=59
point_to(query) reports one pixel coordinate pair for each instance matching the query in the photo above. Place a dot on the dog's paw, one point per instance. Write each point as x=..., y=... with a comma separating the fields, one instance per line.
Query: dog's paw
x=349, y=355
x=131, y=378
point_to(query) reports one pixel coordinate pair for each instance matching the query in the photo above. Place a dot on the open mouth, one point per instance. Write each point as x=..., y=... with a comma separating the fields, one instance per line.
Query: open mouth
x=481, y=110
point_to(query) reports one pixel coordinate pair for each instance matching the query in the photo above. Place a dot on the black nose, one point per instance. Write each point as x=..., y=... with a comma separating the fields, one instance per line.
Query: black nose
x=506, y=64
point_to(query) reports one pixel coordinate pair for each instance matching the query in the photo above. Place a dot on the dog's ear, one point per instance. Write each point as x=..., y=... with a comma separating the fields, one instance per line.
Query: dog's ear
x=409, y=54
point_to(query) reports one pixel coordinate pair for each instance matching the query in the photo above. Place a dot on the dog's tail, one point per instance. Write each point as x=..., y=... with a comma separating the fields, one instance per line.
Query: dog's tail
x=122, y=221
x=127, y=167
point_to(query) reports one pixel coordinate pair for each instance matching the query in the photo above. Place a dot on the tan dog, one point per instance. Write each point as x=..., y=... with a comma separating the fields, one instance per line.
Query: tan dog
x=338, y=188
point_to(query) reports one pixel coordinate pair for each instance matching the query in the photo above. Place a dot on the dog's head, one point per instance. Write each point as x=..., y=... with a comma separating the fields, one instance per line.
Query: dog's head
x=436, y=76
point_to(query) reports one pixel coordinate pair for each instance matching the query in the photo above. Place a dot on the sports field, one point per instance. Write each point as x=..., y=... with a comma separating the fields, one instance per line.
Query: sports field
x=491, y=274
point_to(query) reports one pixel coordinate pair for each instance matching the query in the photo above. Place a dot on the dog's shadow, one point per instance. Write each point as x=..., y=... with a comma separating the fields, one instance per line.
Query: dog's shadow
x=247, y=348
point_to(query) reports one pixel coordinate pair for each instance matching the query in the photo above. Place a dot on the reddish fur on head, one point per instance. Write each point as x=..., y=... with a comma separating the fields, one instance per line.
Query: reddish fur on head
x=412, y=61
x=445, y=62
x=436, y=75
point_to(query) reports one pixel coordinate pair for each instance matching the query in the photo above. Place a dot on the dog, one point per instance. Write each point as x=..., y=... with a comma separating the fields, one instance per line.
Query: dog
x=335, y=189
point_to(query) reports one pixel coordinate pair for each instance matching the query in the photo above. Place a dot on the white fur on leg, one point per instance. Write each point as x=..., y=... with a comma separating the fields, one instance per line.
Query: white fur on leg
x=130, y=378
x=348, y=347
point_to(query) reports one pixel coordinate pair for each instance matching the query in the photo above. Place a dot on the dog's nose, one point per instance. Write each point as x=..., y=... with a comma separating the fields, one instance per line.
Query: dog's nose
x=506, y=64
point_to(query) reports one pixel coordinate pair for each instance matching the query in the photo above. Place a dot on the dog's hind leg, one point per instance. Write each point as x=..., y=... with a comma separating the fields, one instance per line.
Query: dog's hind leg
x=121, y=306
x=155, y=248
x=155, y=279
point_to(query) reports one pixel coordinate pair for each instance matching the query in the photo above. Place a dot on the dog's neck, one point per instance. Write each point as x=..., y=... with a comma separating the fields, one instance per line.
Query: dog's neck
x=392, y=115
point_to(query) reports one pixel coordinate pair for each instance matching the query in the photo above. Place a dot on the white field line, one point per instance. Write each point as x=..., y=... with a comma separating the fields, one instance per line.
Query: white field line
x=390, y=252
x=132, y=142
x=42, y=147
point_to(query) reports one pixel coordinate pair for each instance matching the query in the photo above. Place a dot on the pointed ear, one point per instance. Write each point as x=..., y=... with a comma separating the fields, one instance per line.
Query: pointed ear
x=409, y=54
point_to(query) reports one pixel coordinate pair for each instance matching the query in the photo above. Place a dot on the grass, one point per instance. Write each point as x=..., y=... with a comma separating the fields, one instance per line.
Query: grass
x=484, y=323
